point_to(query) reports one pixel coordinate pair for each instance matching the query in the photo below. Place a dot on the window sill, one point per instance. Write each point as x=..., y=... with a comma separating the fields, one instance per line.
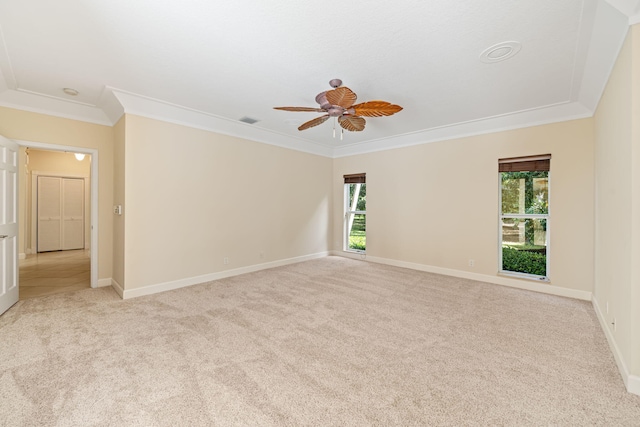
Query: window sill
x=524, y=276
x=354, y=254
x=355, y=251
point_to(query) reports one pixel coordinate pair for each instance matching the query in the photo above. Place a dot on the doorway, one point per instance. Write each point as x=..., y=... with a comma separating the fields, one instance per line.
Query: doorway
x=49, y=273
x=44, y=267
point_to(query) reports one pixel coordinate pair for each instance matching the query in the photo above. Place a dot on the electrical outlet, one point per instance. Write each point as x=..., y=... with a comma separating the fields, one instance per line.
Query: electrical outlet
x=472, y=263
x=225, y=261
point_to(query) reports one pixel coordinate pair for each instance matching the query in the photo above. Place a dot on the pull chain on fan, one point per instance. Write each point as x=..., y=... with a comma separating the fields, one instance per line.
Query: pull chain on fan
x=339, y=104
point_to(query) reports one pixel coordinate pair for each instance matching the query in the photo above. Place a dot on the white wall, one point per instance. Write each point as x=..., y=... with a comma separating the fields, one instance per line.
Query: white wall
x=28, y=126
x=617, y=226
x=436, y=204
x=118, y=199
x=193, y=198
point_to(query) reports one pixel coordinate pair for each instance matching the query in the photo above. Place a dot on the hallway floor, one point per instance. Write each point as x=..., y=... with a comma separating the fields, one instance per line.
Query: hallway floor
x=54, y=272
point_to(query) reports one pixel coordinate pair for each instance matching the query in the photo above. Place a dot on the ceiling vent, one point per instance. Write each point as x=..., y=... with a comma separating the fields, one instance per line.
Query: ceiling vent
x=249, y=120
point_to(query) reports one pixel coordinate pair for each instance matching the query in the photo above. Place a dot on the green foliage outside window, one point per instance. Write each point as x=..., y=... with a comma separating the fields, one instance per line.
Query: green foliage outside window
x=525, y=193
x=535, y=202
x=357, y=233
x=524, y=261
x=358, y=237
x=362, y=198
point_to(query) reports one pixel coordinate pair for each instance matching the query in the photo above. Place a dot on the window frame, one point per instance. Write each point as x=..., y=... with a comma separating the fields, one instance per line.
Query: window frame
x=547, y=217
x=348, y=213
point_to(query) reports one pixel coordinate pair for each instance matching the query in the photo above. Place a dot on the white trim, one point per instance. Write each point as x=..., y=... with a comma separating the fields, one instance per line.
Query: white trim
x=362, y=256
x=94, y=179
x=93, y=249
x=117, y=287
x=631, y=382
x=561, y=112
x=60, y=175
x=104, y=282
x=189, y=281
x=22, y=256
x=635, y=19
x=115, y=102
x=348, y=215
x=168, y=112
x=524, y=276
x=51, y=106
x=547, y=216
x=528, y=285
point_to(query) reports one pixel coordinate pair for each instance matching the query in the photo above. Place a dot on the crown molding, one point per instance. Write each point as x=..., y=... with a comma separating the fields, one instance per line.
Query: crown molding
x=36, y=103
x=534, y=117
x=627, y=7
x=608, y=28
x=114, y=103
x=160, y=110
x=606, y=20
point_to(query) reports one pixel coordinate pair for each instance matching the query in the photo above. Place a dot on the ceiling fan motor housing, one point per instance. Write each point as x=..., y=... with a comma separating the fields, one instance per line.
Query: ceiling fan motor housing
x=335, y=111
x=321, y=99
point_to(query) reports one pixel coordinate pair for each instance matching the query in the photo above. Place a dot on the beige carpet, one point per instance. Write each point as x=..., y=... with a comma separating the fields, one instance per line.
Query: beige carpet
x=332, y=341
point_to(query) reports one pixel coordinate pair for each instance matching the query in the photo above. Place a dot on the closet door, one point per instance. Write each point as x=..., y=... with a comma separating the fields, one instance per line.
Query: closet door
x=49, y=214
x=72, y=214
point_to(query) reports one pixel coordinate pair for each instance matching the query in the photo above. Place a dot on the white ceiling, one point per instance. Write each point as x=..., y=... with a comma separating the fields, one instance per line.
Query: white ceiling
x=209, y=63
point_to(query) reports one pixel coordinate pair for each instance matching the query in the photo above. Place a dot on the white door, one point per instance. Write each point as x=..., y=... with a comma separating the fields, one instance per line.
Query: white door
x=72, y=214
x=49, y=214
x=60, y=213
x=8, y=224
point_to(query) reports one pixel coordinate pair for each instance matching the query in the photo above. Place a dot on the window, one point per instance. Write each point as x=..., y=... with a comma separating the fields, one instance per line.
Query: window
x=524, y=216
x=355, y=206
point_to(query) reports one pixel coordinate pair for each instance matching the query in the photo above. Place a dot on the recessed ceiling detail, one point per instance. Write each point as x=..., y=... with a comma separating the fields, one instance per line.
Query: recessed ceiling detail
x=500, y=52
x=219, y=61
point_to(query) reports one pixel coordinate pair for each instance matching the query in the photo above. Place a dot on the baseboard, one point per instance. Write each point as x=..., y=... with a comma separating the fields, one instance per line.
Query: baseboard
x=176, y=284
x=103, y=283
x=631, y=382
x=633, y=386
x=22, y=256
x=118, y=288
x=496, y=280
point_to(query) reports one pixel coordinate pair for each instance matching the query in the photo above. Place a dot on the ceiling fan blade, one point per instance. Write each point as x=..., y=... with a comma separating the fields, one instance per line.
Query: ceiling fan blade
x=376, y=109
x=342, y=97
x=352, y=123
x=317, y=110
x=314, y=122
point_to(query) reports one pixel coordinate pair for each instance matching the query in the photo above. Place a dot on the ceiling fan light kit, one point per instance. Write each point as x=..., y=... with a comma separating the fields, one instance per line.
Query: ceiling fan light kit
x=339, y=103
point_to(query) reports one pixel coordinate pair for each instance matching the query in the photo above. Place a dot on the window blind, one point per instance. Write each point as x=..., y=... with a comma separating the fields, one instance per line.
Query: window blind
x=356, y=178
x=525, y=164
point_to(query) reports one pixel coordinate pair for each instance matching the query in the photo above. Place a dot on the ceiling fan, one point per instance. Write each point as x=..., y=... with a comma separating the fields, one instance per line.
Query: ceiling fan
x=339, y=103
